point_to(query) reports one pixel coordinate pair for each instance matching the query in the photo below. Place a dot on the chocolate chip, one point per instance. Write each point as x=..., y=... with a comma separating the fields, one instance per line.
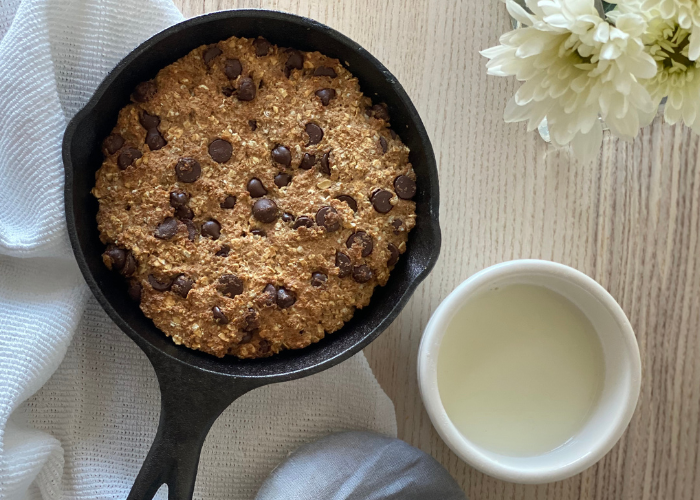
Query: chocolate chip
x=349, y=200
x=129, y=265
x=264, y=346
x=262, y=46
x=287, y=217
x=397, y=224
x=184, y=212
x=325, y=95
x=178, y=198
x=212, y=229
x=154, y=140
x=113, y=143
x=134, y=290
x=145, y=91
x=230, y=285
x=282, y=179
x=326, y=163
x=307, y=161
x=285, y=298
x=258, y=232
x=246, y=89
x=219, y=315
x=269, y=295
x=220, y=150
x=227, y=91
x=303, y=221
x=384, y=145
x=318, y=279
x=265, y=210
x=223, y=251
x=210, y=53
x=344, y=264
x=325, y=71
x=114, y=257
x=166, y=229
x=315, y=133
x=246, y=338
x=233, y=68
x=294, y=61
x=261, y=84
x=328, y=217
x=229, y=202
x=148, y=121
x=394, y=255
x=381, y=201
x=253, y=124
x=405, y=187
x=158, y=285
x=188, y=170
x=381, y=112
x=281, y=154
x=361, y=274
x=363, y=240
x=127, y=157
x=251, y=321
x=182, y=285
x=255, y=188
x=191, y=229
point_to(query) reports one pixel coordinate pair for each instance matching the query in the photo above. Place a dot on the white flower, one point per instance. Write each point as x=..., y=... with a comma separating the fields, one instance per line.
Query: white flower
x=575, y=67
x=685, y=12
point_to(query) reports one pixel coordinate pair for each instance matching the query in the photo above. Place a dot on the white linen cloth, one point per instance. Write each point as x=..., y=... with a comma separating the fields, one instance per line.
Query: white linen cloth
x=86, y=432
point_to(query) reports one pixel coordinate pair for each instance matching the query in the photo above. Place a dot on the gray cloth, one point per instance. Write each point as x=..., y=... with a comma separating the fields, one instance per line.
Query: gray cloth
x=359, y=466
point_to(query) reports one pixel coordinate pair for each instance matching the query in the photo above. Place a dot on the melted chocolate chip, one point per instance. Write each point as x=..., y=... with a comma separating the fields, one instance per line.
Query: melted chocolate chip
x=381, y=112
x=381, y=201
x=393, y=255
x=191, y=229
x=282, y=179
x=397, y=225
x=253, y=124
x=258, y=232
x=227, y=91
x=285, y=298
x=210, y=53
x=265, y=210
x=269, y=295
x=114, y=257
x=188, y=170
x=307, y=161
x=127, y=157
x=384, y=145
x=230, y=285
x=287, y=217
x=184, y=212
x=182, y=285
x=326, y=163
x=251, y=321
x=129, y=265
x=219, y=315
x=361, y=274
x=113, y=143
x=134, y=290
x=178, y=199
x=325, y=71
x=264, y=346
x=256, y=188
x=149, y=121
x=315, y=133
x=262, y=46
x=303, y=221
x=212, y=229
x=160, y=285
x=220, y=150
x=344, y=264
x=281, y=154
x=166, y=229
x=405, y=187
x=223, y=251
x=233, y=68
x=325, y=95
x=328, y=217
x=318, y=279
x=154, y=140
x=363, y=240
x=294, y=61
x=229, y=202
x=145, y=91
x=246, y=89
x=349, y=200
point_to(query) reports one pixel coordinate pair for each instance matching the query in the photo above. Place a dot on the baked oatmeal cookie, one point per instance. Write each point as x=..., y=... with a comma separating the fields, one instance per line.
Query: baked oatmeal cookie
x=253, y=197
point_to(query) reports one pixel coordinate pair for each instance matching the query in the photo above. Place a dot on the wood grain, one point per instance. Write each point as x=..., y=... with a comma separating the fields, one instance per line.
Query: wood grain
x=631, y=221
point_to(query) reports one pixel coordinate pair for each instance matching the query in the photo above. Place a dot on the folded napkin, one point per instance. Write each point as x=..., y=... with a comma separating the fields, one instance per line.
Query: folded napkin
x=86, y=432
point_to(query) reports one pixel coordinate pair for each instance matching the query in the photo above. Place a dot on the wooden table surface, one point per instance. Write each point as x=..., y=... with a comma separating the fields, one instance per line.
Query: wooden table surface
x=631, y=221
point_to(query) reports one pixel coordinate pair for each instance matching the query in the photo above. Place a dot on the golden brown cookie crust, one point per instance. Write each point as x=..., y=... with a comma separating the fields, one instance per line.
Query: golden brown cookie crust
x=197, y=103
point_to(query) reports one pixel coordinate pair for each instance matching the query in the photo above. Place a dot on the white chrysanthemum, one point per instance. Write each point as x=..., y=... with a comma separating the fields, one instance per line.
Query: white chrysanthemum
x=685, y=12
x=575, y=67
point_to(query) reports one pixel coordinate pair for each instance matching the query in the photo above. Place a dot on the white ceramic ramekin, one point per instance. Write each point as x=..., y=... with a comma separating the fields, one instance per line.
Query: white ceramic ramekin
x=622, y=373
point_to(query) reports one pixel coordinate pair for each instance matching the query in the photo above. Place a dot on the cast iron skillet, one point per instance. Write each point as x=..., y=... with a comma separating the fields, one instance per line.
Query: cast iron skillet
x=196, y=387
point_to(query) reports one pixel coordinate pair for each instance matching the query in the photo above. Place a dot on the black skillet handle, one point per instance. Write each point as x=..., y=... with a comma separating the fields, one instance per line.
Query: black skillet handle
x=191, y=400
